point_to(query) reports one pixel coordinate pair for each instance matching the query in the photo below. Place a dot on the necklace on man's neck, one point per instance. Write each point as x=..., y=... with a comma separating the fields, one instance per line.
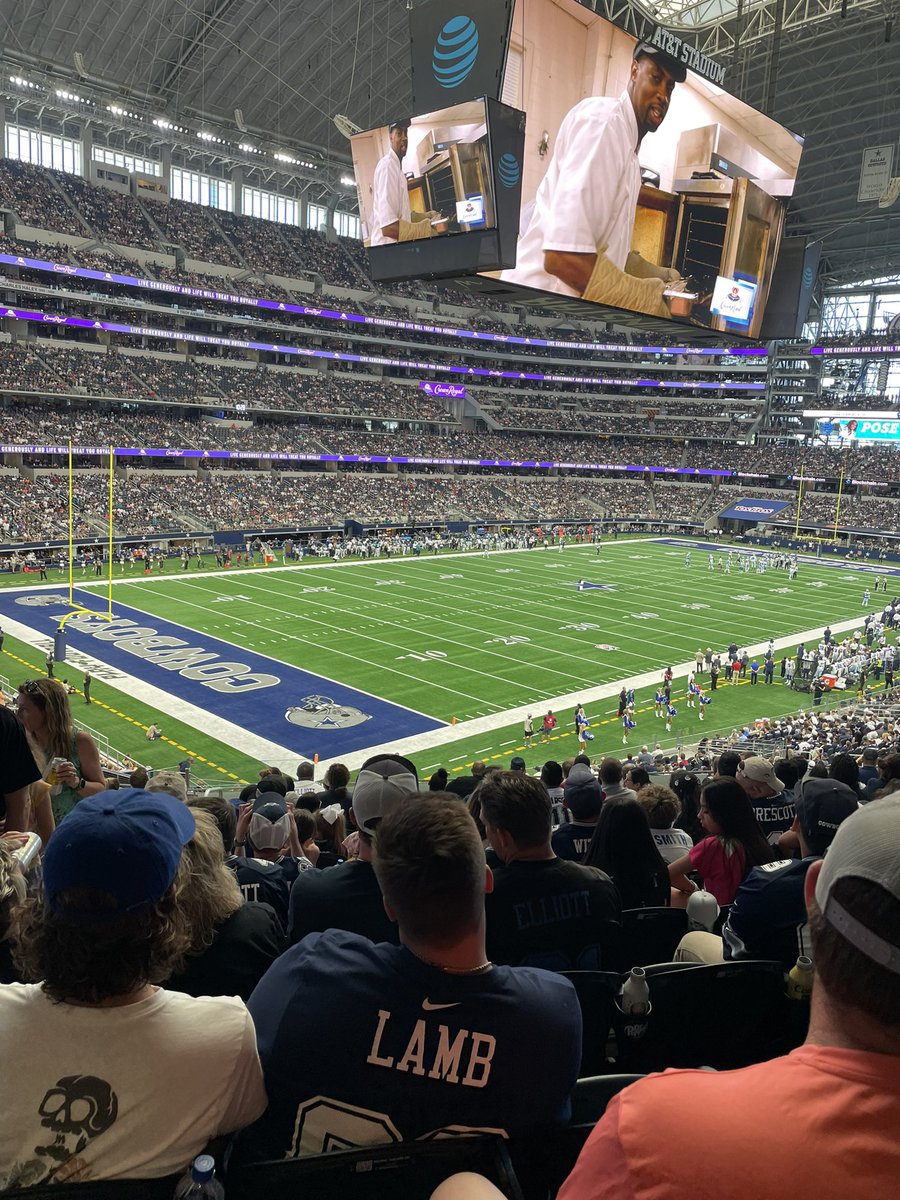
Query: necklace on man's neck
x=479, y=970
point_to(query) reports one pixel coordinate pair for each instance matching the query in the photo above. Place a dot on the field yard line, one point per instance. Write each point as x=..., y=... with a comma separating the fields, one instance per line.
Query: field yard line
x=203, y=720
x=513, y=606
x=240, y=572
x=441, y=737
x=484, y=652
x=369, y=638
x=295, y=638
x=477, y=600
x=551, y=608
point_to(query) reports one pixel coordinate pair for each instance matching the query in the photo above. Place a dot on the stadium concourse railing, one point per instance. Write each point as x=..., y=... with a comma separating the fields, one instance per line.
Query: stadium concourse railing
x=764, y=747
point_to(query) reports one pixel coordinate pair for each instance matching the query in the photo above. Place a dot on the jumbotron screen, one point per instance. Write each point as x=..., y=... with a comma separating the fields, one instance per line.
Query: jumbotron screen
x=439, y=191
x=858, y=429
x=646, y=185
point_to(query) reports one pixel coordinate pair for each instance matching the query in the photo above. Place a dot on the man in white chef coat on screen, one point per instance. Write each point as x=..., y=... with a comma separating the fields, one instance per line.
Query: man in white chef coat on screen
x=578, y=242
x=392, y=220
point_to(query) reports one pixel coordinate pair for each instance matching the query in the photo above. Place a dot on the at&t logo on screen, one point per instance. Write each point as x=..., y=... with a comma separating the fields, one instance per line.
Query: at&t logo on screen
x=508, y=170
x=455, y=51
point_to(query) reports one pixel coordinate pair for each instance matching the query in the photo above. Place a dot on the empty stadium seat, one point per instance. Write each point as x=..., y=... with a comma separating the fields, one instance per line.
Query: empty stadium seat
x=100, y=1189
x=597, y=992
x=650, y=935
x=543, y=1163
x=724, y=1016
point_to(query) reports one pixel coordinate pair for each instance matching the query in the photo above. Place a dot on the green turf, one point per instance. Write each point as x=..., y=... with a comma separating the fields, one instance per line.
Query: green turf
x=474, y=636
x=471, y=636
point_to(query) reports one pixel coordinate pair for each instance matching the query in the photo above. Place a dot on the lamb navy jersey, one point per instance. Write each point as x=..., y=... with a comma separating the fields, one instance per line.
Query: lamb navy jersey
x=405, y=1051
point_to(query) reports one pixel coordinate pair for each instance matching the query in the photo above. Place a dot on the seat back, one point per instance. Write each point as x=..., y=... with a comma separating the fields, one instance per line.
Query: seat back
x=650, y=935
x=597, y=992
x=723, y=1016
x=543, y=1162
x=592, y=1094
x=407, y=1170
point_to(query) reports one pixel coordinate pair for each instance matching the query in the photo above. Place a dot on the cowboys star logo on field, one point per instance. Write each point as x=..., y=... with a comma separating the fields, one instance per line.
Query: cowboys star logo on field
x=47, y=600
x=321, y=712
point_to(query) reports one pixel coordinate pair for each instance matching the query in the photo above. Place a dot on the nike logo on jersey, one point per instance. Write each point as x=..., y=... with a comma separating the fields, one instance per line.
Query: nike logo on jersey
x=427, y=1006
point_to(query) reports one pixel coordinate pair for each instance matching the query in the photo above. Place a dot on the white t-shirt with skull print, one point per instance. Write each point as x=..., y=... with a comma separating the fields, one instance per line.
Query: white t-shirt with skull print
x=111, y=1093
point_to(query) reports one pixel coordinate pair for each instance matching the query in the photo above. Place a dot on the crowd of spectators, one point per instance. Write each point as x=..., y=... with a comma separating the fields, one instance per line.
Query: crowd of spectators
x=830, y=401
x=113, y=216
x=151, y=502
x=38, y=510
x=32, y=194
x=194, y=229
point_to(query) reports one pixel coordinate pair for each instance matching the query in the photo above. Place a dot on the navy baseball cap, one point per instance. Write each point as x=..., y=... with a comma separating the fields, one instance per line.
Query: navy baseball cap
x=125, y=843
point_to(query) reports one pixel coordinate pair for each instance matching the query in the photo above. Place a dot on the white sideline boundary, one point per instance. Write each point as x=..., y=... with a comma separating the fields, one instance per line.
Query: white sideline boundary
x=480, y=725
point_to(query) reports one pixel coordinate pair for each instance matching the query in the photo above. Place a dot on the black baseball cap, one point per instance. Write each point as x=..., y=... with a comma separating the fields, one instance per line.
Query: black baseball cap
x=676, y=69
x=822, y=805
x=404, y=124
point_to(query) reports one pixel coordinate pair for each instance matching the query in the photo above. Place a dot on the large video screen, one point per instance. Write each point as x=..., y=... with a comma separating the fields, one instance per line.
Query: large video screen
x=859, y=428
x=426, y=176
x=439, y=193
x=646, y=185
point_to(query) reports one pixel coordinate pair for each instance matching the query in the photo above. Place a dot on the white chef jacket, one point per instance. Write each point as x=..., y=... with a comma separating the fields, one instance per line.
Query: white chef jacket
x=390, y=198
x=588, y=197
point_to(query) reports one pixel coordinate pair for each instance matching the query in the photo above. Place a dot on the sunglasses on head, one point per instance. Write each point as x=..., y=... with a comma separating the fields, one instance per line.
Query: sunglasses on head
x=31, y=687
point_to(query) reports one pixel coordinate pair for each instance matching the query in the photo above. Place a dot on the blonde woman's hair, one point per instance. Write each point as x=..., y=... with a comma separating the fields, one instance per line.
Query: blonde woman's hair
x=50, y=697
x=207, y=892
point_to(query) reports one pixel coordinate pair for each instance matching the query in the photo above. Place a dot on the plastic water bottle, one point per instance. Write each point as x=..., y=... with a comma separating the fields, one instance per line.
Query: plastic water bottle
x=800, y=979
x=199, y=1181
x=702, y=911
x=636, y=993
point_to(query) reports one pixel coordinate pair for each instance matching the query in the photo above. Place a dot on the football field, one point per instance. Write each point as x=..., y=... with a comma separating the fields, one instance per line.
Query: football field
x=443, y=655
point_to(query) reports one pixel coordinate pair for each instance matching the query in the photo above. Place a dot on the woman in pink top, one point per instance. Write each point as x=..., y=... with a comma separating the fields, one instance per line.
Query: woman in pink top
x=734, y=845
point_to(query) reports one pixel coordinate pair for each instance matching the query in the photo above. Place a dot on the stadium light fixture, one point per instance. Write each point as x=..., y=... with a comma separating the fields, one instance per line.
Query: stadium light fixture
x=348, y=181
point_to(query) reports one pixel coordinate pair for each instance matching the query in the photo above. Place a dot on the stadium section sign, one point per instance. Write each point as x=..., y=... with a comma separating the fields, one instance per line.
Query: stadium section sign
x=751, y=509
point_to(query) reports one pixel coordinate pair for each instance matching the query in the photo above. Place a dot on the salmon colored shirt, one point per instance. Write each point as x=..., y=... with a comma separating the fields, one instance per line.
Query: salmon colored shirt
x=817, y=1124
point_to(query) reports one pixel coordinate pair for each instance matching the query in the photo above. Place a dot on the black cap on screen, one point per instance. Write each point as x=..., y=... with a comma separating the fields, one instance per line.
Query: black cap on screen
x=676, y=69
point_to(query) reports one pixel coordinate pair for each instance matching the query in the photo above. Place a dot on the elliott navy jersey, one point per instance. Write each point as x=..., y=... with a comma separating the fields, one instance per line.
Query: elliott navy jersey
x=405, y=1051
x=264, y=882
x=554, y=914
x=768, y=916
